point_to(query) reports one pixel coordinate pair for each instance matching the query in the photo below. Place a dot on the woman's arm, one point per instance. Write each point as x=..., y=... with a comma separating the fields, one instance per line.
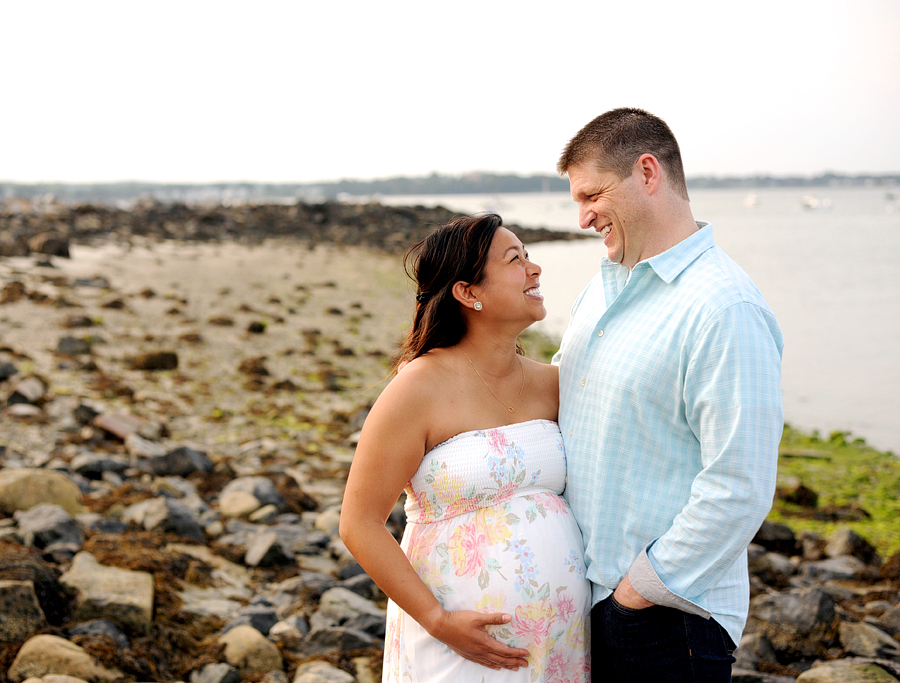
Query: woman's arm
x=390, y=449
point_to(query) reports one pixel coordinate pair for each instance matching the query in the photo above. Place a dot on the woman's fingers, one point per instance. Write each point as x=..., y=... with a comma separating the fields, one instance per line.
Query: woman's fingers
x=465, y=633
x=498, y=619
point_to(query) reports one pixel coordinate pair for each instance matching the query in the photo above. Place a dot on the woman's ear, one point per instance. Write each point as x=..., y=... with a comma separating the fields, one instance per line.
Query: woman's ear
x=462, y=292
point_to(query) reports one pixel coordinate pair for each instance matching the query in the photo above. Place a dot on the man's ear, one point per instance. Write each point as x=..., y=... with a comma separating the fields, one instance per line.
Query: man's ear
x=650, y=172
x=462, y=292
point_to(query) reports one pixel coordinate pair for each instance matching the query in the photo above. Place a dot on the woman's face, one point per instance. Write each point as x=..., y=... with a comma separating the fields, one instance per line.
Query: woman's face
x=511, y=284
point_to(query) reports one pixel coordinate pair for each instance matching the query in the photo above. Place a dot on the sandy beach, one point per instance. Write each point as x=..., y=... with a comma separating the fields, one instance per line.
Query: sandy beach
x=325, y=317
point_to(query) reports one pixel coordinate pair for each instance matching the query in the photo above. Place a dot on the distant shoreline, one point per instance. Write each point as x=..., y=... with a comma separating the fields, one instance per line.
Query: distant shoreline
x=471, y=183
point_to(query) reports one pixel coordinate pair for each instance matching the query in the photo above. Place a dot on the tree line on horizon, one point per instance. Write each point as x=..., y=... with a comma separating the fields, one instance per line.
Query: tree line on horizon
x=470, y=183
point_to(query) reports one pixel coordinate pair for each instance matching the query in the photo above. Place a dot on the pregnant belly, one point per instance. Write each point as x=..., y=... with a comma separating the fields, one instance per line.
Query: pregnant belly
x=522, y=557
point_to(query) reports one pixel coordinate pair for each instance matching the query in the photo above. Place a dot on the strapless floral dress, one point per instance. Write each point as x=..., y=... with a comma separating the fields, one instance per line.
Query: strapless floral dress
x=487, y=530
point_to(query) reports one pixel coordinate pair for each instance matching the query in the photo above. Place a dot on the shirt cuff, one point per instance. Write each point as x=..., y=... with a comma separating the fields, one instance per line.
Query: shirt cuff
x=646, y=582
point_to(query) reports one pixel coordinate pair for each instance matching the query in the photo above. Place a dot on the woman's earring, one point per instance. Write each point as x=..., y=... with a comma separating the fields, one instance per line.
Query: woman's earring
x=478, y=306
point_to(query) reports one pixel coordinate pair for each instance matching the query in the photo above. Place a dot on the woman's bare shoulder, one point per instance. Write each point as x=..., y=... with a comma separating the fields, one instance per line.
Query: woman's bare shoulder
x=543, y=371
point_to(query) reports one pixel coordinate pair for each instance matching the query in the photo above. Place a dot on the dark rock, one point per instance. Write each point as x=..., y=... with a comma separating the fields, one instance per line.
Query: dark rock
x=30, y=389
x=116, y=304
x=265, y=549
x=866, y=640
x=798, y=623
x=777, y=538
x=7, y=370
x=166, y=515
x=845, y=541
x=46, y=524
x=93, y=466
x=101, y=627
x=84, y=414
x=350, y=570
x=157, y=360
x=78, y=321
x=262, y=488
x=93, y=521
x=20, y=610
x=260, y=617
x=812, y=546
x=19, y=563
x=891, y=569
x=363, y=585
x=890, y=620
x=844, y=568
x=367, y=623
x=337, y=638
x=256, y=327
x=72, y=346
x=254, y=366
x=180, y=462
x=52, y=245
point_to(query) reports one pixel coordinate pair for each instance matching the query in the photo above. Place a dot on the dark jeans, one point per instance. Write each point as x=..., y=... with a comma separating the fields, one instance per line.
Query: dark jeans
x=657, y=645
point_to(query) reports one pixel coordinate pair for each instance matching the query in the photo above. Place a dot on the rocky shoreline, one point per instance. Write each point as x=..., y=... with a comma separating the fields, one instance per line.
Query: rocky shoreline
x=48, y=226
x=177, y=417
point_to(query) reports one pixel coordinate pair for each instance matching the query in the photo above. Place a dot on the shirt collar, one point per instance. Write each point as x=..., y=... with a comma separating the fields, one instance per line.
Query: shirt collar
x=669, y=264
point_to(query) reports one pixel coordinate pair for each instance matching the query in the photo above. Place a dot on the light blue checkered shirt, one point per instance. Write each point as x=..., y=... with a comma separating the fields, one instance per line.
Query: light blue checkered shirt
x=671, y=412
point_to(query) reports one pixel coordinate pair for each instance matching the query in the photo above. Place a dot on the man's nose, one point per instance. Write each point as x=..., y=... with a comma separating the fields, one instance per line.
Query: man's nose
x=585, y=218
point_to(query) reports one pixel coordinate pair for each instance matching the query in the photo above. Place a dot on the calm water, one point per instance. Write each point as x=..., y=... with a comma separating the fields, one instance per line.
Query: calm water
x=831, y=275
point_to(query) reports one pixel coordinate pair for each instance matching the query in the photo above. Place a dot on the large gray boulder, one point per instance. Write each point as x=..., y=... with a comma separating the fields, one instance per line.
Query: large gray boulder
x=798, y=623
x=121, y=595
x=865, y=640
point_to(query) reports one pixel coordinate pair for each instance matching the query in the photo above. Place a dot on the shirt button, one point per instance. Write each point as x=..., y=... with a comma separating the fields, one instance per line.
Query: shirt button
x=570, y=432
x=599, y=333
x=583, y=382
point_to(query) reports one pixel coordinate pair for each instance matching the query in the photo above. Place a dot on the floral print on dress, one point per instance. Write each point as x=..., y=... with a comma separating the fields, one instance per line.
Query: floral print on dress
x=489, y=531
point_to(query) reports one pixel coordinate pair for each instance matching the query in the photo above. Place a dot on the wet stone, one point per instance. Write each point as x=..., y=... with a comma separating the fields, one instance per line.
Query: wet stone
x=21, y=610
x=101, y=627
x=73, y=346
x=47, y=524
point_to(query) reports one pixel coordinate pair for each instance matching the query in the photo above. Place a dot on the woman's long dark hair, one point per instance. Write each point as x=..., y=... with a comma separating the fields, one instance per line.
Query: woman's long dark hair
x=457, y=251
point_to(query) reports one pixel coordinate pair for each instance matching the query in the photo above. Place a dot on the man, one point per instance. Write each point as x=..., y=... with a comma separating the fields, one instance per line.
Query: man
x=670, y=407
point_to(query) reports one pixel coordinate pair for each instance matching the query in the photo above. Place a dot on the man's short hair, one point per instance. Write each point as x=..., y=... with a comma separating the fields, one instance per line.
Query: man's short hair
x=615, y=140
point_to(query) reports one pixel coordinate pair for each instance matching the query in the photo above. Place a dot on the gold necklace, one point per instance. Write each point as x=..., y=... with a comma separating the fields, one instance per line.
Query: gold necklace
x=511, y=408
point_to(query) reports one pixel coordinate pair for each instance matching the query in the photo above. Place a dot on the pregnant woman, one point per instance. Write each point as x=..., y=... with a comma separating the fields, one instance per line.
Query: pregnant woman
x=488, y=582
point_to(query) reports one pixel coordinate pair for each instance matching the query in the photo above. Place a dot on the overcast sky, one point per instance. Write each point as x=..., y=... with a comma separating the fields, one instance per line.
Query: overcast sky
x=305, y=91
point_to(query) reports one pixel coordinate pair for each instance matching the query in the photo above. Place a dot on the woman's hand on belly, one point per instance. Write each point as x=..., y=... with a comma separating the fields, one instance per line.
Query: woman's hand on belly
x=464, y=632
